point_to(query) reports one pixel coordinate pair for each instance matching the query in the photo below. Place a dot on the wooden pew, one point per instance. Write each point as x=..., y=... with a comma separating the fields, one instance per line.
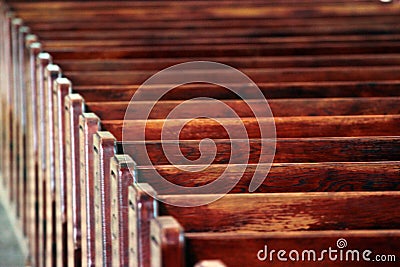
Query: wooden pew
x=279, y=107
x=258, y=76
x=94, y=122
x=270, y=91
x=246, y=62
x=286, y=127
x=122, y=167
x=169, y=242
x=95, y=125
x=219, y=13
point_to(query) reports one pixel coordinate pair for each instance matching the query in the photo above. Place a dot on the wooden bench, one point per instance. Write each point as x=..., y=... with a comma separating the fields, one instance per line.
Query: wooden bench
x=171, y=246
x=96, y=86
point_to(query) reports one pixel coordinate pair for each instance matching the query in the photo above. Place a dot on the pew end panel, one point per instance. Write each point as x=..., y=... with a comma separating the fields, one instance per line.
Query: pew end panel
x=142, y=208
x=89, y=124
x=122, y=177
x=51, y=73
x=167, y=242
x=104, y=150
x=74, y=106
x=61, y=88
x=33, y=49
x=43, y=59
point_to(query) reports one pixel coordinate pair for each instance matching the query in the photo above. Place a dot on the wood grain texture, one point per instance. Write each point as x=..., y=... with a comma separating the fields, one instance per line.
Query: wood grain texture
x=88, y=126
x=282, y=177
x=279, y=107
x=286, y=127
x=313, y=149
x=32, y=150
x=103, y=145
x=329, y=69
x=167, y=247
x=276, y=212
x=121, y=179
x=123, y=77
x=222, y=51
x=61, y=88
x=43, y=60
x=298, y=61
x=139, y=217
x=73, y=109
x=52, y=72
x=269, y=90
x=242, y=249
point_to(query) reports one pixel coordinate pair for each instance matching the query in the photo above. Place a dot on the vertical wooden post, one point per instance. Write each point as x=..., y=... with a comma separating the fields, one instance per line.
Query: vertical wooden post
x=22, y=147
x=89, y=124
x=61, y=89
x=167, y=242
x=42, y=61
x=32, y=147
x=142, y=209
x=74, y=108
x=121, y=178
x=15, y=120
x=104, y=146
x=52, y=72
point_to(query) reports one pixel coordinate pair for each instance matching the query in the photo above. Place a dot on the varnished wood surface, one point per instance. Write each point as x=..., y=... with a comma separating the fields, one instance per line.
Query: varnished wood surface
x=224, y=246
x=269, y=90
x=279, y=107
x=287, y=150
x=223, y=51
x=283, y=177
x=286, y=127
x=258, y=76
x=275, y=212
x=221, y=12
x=246, y=62
x=325, y=49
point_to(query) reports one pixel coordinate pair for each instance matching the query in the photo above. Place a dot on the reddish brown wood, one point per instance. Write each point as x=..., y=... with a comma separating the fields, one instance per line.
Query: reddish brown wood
x=286, y=127
x=89, y=125
x=278, y=210
x=52, y=72
x=280, y=107
x=104, y=144
x=223, y=51
x=270, y=91
x=245, y=62
x=61, y=88
x=32, y=149
x=121, y=179
x=42, y=61
x=139, y=218
x=73, y=109
x=288, y=150
x=224, y=246
x=167, y=247
x=303, y=50
x=282, y=177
